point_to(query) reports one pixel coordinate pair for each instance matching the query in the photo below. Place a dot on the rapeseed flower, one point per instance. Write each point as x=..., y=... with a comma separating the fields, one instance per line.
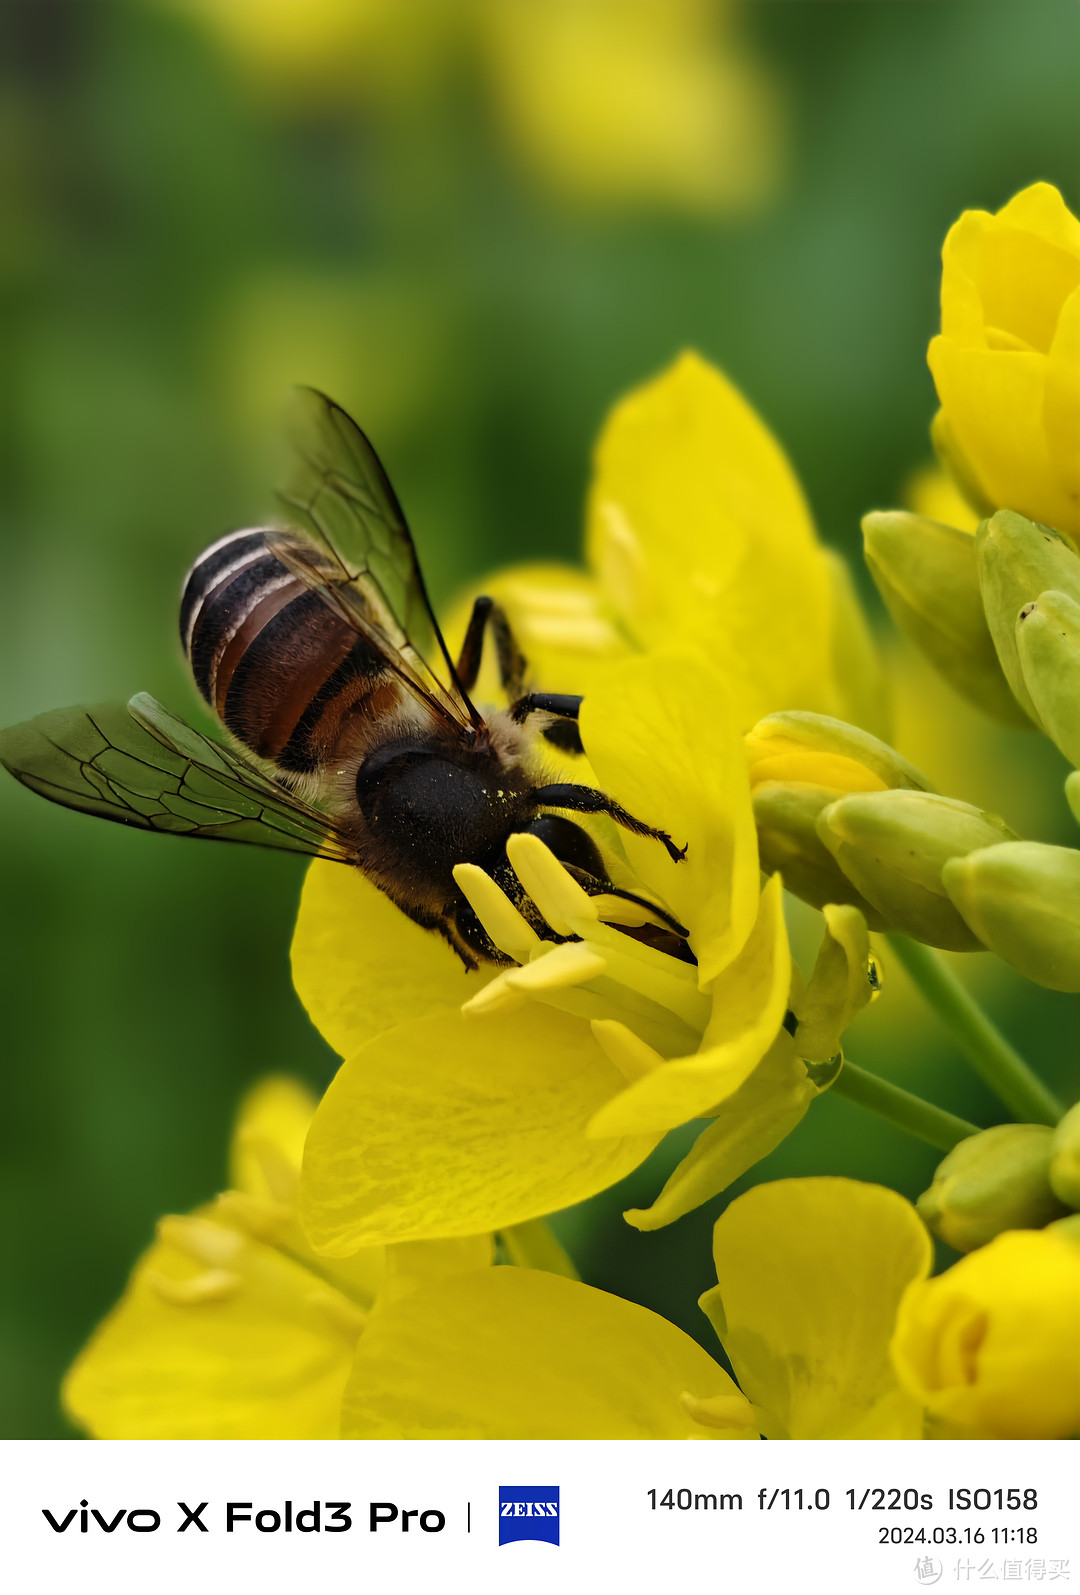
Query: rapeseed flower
x=810, y=1274
x=468, y=1102
x=992, y=1346
x=1007, y=361
x=231, y=1328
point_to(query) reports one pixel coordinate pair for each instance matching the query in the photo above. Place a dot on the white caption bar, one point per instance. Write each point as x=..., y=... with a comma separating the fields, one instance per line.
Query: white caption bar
x=830, y=1516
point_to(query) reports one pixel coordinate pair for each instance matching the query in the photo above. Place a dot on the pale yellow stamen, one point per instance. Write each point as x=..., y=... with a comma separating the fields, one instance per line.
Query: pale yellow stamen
x=265, y=1221
x=201, y=1240
x=726, y=1413
x=217, y=1284
x=511, y=933
x=633, y=1057
x=566, y=965
x=554, y=891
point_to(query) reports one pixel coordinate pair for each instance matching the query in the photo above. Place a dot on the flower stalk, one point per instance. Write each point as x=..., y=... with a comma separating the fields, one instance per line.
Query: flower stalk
x=902, y=1108
x=995, y=1060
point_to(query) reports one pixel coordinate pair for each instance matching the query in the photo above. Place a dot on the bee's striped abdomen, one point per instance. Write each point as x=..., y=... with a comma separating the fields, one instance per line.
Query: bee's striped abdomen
x=274, y=661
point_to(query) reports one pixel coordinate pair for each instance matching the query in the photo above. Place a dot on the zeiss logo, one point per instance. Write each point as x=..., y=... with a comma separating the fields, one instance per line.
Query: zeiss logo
x=528, y=1512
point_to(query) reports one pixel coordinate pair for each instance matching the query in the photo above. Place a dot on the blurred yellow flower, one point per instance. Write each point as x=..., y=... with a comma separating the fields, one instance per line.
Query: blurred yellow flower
x=992, y=1346
x=601, y=101
x=230, y=1327
x=810, y=1271
x=647, y=102
x=932, y=492
x=1007, y=360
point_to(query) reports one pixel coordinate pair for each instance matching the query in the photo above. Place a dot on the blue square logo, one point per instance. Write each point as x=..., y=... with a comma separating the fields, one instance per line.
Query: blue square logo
x=528, y=1512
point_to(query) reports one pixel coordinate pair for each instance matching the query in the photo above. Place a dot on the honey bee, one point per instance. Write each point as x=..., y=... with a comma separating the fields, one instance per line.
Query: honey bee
x=353, y=735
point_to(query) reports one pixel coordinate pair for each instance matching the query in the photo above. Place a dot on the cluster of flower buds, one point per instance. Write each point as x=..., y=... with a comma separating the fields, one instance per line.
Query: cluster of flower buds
x=847, y=820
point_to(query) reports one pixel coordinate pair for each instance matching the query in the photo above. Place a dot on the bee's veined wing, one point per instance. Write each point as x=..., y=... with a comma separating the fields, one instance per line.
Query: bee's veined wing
x=361, y=554
x=140, y=765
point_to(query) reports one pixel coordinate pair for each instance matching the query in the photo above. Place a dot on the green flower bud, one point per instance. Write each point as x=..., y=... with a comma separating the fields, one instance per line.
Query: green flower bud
x=892, y=847
x=1065, y=1159
x=1017, y=560
x=925, y=571
x=786, y=818
x=1072, y=792
x=1022, y=900
x=1048, y=645
x=993, y=1181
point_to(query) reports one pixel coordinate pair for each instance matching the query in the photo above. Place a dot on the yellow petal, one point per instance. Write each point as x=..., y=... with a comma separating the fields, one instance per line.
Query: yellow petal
x=994, y=403
x=698, y=528
x=516, y=1354
x=992, y=1346
x=452, y=1126
x=360, y=966
x=661, y=741
x=748, y=1000
x=810, y=1276
x=1020, y=279
x=1061, y=405
x=1040, y=209
x=266, y=1360
x=748, y=1125
x=268, y=1142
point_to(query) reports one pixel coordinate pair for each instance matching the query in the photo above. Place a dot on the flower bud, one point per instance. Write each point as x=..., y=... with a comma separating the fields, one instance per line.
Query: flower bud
x=786, y=819
x=1048, y=644
x=892, y=846
x=993, y=1181
x=816, y=749
x=1022, y=900
x=1065, y=1159
x=1072, y=792
x=925, y=571
x=1017, y=560
x=989, y=1347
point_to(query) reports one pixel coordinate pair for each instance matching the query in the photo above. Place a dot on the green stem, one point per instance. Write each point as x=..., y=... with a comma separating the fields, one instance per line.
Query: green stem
x=993, y=1058
x=902, y=1108
x=533, y=1245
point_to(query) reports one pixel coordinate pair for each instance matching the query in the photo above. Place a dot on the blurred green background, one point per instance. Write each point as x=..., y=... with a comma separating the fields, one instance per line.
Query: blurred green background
x=475, y=224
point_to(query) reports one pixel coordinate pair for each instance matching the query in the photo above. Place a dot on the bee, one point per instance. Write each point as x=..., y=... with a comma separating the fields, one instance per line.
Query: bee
x=352, y=735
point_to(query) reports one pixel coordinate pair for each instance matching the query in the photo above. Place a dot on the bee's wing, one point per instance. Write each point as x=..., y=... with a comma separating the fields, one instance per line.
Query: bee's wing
x=354, y=546
x=140, y=765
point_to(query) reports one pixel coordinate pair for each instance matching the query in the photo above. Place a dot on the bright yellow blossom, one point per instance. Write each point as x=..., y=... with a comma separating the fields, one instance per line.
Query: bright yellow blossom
x=992, y=1346
x=810, y=1271
x=1007, y=360
x=230, y=1327
x=457, y=1111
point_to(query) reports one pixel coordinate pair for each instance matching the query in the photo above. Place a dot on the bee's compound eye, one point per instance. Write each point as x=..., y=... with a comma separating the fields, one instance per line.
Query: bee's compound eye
x=569, y=843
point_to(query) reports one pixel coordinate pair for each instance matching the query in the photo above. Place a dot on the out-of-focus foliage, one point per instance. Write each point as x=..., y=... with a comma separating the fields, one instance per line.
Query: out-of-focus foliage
x=192, y=221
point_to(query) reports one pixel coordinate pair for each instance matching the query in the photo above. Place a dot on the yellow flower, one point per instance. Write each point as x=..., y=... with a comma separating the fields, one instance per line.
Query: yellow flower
x=564, y=1072
x=810, y=1273
x=699, y=537
x=230, y=1328
x=446, y=1123
x=621, y=104
x=992, y=1346
x=1007, y=360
